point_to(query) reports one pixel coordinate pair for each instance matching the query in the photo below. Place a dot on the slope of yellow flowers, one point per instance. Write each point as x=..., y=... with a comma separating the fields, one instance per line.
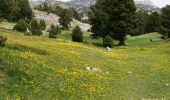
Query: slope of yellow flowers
x=40, y=68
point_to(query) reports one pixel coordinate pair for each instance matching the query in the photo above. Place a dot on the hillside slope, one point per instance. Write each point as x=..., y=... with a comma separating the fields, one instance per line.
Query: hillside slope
x=40, y=68
x=53, y=19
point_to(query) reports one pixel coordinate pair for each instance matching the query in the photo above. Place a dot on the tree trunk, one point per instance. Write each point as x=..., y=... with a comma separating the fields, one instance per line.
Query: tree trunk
x=121, y=42
x=103, y=41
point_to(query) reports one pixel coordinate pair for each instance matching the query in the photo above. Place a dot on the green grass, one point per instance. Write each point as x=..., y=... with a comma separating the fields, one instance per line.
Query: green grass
x=34, y=68
x=7, y=25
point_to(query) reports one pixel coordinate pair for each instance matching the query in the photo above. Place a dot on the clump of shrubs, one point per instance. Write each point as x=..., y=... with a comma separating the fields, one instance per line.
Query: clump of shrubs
x=3, y=39
x=1, y=20
x=42, y=25
x=35, y=28
x=21, y=26
x=54, y=30
x=77, y=34
x=108, y=41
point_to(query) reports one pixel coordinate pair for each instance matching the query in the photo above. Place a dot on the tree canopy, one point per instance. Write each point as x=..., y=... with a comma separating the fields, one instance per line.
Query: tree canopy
x=153, y=22
x=165, y=21
x=114, y=18
x=64, y=19
x=14, y=10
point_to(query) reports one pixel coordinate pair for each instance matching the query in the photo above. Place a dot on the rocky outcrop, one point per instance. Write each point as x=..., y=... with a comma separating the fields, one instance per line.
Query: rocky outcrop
x=53, y=19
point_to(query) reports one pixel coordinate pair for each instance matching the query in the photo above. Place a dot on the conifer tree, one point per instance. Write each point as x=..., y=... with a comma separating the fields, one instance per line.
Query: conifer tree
x=25, y=10
x=42, y=24
x=77, y=34
x=35, y=28
x=153, y=22
x=165, y=21
x=14, y=10
x=114, y=18
x=10, y=9
x=21, y=26
x=54, y=31
x=64, y=19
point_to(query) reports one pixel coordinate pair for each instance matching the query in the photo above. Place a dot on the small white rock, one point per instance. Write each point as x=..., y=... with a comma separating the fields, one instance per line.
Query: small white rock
x=93, y=69
x=88, y=68
x=108, y=49
x=166, y=84
x=129, y=72
x=96, y=70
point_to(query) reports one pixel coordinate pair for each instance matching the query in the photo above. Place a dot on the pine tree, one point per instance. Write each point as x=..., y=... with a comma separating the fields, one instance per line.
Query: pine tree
x=10, y=9
x=54, y=30
x=165, y=21
x=140, y=23
x=21, y=26
x=58, y=10
x=47, y=8
x=35, y=28
x=42, y=24
x=14, y=10
x=153, y=22
x=114, y=18
x=64, y=19
x=77, y=34
x=108, y=41
x=74, y=14
x=25, y=10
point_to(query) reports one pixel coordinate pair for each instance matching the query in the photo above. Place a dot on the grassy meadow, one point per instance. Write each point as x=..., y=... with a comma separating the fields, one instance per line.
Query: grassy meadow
x=35, y=68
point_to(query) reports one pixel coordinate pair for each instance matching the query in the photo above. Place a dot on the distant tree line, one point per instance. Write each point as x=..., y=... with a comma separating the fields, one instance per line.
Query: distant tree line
x=153, y=22
x=71, y=12
x=119, y=18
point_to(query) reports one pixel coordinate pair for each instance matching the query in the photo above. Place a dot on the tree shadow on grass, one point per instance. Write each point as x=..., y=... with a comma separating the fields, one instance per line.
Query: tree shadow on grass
x=28, y=49
x=94, y=44
x=98, y=44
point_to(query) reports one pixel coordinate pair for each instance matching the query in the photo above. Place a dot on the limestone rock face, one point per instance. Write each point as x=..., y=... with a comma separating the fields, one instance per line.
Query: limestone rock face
x=53, y=19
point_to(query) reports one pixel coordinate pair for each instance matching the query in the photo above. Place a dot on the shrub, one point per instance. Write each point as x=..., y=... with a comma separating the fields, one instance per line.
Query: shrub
x=21, y=26
x=3, y=39
x=1, y=20
x=35, y=28
x=42, y=24
x=108, y=41
x=54, y=30
x=77, y=34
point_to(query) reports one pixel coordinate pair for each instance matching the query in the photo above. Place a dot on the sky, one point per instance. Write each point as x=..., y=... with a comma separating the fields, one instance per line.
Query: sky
x=159, y=3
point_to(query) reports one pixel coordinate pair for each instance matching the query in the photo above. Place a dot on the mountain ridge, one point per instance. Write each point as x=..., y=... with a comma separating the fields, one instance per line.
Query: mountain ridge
x=145, y=5
x=83, y=6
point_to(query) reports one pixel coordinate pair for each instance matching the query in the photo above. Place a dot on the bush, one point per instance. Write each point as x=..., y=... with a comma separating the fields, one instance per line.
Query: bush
x=54, y=30
x=21, y=26
x=1, y=20
x=42, y=24
x=77, y=34
x=35, y=28
x=2, y=41
x=108, y=41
